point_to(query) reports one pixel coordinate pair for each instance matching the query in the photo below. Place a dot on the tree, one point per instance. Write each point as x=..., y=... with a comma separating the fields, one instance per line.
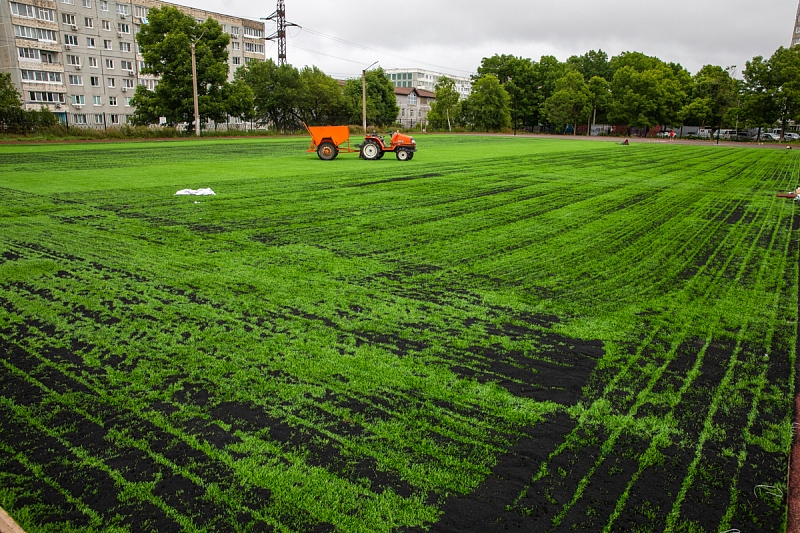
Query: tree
x=445, y=108
x=646, y=91
x=571, y=102
x=382, y=107
x=522, y=80
x=599, y=95
x=165, y=41
x=713, y=92
x=241, y=103
x=784, y=77
x=12, y=117
x=758, y=104
x=487, y=108
x=592, y=64
x=277, y=91
x=321, y=98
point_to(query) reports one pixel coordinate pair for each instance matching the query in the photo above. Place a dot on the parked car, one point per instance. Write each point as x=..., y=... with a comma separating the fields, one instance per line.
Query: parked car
x=770, y=137
x=791, y=136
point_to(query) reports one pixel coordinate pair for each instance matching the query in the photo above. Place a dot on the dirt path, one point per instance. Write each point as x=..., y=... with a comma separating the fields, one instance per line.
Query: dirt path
x=793, y=498
x=7, y=524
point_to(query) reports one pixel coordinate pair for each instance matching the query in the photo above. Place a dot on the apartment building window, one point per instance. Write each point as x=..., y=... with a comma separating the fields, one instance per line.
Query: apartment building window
x=114, y=119
x=98, y=119
x=87, y=3
x=94, y=81
x=75, y=80
x=235, y=30
x=31, y=12
x=79, y=119
x=140, y=11
x=127, y=83
x=71, y=40
x=98, y=100
x=103, y=5
x=237, y=60
x=123, y=27
x=253, y=47
x=93, y=62
x=112, y=100
x=236, y=45
x=112, y=82
x=56, y=98
x=41, y=76
x=252, y=32
x=29, y=54
x=107, y=44
x=106, y=25
x=412, y=99
x=124, y=64
x=22, y=10
x=68, y=19
x=78, y=99
x=123, y=9
x=128, y=101
x=90, y=42
x=142, y=65
x=88, y=22
x=70, y=2
x=75, y=61
x=125, y=47
x=39, y=34
x=110, y=64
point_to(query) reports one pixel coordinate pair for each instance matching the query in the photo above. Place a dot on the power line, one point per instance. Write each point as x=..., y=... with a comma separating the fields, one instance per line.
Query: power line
x=383, y=52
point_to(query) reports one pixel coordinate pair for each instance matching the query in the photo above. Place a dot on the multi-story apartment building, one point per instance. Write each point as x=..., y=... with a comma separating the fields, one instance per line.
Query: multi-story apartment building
x=80, y=58
x=796, y=34
x=427, y=80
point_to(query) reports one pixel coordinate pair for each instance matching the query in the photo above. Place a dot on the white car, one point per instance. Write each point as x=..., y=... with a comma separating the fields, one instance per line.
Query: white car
x=770, y=137
x=791, y=136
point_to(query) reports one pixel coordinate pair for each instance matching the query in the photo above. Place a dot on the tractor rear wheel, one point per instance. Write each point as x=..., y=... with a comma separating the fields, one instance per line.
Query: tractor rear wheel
x=327, y=151
x=370, y=151
x=403, y=154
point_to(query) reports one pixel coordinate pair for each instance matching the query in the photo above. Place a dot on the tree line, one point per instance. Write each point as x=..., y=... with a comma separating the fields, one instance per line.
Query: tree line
x=630, y=89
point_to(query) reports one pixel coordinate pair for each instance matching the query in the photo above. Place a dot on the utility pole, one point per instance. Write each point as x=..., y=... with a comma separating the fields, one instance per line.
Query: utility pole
x=280, y=32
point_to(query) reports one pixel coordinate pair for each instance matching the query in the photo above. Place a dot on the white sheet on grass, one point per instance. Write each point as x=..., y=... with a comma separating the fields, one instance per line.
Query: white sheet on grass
x=196, y=192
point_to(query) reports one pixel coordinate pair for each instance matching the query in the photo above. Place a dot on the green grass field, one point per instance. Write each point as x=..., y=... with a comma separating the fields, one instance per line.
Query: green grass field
x=502, y=333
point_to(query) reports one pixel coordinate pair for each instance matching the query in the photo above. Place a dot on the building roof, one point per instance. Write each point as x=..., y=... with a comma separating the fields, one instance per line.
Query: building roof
x=405, y=91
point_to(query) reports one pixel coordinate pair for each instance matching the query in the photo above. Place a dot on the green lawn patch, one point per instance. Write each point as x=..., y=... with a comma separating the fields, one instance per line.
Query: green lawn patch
x=504, y=332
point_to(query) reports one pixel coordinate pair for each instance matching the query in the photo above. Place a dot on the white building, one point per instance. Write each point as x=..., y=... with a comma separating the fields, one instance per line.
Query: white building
x=796, y=34
x=80, y=58
x=427, y=80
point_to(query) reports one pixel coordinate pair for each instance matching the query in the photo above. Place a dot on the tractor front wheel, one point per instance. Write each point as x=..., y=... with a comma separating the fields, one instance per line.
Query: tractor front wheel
x=327, y=151
x=403, y=154
x=370, y=151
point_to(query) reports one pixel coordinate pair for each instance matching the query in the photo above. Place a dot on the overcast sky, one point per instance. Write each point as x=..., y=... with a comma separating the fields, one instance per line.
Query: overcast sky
x=344, y=36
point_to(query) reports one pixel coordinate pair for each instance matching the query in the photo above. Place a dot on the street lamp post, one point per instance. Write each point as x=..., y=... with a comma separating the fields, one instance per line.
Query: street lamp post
x=194, y=88
x=364, y=95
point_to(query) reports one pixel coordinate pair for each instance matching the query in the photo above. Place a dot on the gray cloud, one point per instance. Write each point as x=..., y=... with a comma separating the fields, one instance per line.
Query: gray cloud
x=455, y=35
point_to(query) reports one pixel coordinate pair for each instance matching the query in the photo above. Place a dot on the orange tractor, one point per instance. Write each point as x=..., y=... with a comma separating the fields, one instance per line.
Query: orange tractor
x=328, y=141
